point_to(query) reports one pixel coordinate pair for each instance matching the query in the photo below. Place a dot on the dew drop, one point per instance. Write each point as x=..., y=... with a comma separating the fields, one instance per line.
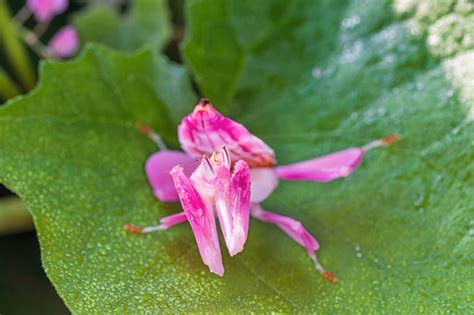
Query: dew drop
x=420, y=86
x=317, y=72
x=421, y=201
x=351, y=22
x=358, y=251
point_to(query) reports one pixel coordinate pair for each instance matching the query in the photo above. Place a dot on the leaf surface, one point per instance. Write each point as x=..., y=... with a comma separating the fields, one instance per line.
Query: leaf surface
x=308, y=78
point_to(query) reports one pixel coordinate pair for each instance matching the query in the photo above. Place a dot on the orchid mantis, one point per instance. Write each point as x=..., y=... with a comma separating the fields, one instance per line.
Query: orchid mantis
x=236, y=172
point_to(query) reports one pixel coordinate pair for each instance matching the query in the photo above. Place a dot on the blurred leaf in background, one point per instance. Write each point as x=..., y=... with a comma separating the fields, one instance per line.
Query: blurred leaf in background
x=147, y=22
x=308, y=78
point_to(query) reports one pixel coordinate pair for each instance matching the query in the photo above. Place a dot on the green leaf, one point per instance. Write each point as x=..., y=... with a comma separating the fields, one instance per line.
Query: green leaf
x=309, y=78
x=98, y=23
x=252, y=45
x=147, y=23
x=312, y=77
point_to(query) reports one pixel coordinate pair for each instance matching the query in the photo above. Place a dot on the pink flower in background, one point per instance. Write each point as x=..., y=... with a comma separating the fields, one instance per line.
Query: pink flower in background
x=45, y=10
x=212, y=189
x=64, y=43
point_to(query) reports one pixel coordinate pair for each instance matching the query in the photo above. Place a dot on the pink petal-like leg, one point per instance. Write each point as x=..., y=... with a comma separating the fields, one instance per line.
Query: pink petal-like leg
x=233, y=207
x=159, y=165
x=332, y=166
x=264, y=181
x=296, y=231
x=165, y=223
x=201, y=219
